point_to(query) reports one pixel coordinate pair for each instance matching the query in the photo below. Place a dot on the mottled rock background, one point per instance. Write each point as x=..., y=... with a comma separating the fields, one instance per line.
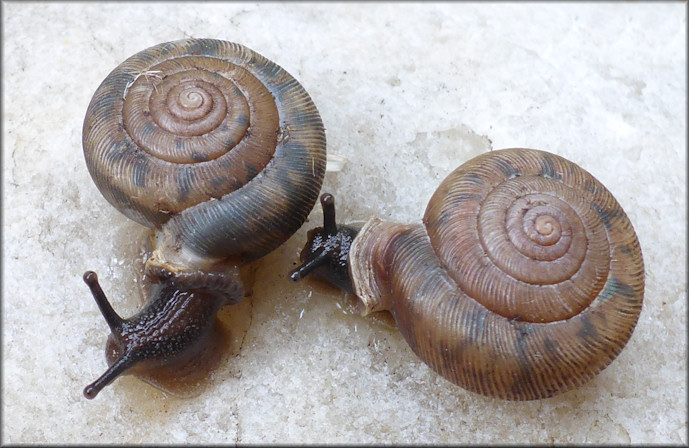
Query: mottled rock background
x=407, y=93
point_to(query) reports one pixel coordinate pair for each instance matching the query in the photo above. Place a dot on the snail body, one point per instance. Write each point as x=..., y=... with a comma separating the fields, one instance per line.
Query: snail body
x=222, y=153
x=524, y=279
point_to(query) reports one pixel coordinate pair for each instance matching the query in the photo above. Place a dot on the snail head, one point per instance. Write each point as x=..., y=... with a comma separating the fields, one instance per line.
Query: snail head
x=141, y=345
x=326, y=253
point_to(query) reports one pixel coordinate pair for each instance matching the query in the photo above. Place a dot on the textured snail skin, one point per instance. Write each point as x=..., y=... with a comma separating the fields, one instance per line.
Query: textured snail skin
x=524, y=280
x=222, y=153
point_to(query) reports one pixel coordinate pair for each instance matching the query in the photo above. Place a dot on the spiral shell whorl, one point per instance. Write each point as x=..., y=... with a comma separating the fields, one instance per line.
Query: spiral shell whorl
x=528, y=327
x=521, y=232
x=212, y=137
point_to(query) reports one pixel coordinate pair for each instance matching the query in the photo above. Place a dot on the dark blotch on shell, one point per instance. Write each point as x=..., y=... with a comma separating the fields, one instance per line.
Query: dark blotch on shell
x=242, y=119
x=288, y=185
x=590, y=186
x=251, y=171
x=607, y=215
x=145, y=56
x=140, y=171
x=105, y=105
x=185, y=181
x=524, y=380
x=148, y=129
x=551, y=346
x=615, y=287
x=444, y=217
x=464, y=197
x=507, y=168
x=199, y=157
x=588, y=330
x=204, y=47
x=218, y=182
x=548, y=168
x=625, y=250
x=450, y=352
x=229, y=144
x=474, y=178
x=119, y=150
x=236, y=184
x=478, y=324
x=166, y=48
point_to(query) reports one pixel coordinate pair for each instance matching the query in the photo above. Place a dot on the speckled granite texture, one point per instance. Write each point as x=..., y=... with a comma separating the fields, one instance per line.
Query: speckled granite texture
x=407, y=92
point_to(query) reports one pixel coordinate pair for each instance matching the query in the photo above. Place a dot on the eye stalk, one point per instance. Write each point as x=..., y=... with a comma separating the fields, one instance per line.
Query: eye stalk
x=326, y=253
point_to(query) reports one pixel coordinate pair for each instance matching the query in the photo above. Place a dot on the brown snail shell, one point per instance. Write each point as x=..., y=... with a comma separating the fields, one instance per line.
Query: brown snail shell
x=524, y=279
x=218, y=149
x=211, y=126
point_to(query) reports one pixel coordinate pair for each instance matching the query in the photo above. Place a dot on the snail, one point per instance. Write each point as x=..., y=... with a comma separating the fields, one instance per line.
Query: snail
x=524, y=279
x=222, y=153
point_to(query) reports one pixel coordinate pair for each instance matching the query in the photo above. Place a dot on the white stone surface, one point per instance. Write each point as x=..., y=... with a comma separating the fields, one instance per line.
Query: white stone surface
x=407, y=93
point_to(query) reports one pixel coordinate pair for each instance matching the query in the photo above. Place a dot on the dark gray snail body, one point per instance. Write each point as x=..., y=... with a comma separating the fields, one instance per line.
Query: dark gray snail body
x=222, y=153
x=524, y=279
